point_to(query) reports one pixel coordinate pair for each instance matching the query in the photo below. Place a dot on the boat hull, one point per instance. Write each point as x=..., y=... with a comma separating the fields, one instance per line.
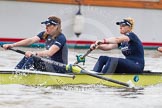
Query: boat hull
x=35, y=79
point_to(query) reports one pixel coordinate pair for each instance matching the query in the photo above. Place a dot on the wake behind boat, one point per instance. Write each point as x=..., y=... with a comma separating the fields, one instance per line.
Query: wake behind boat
x=38, y=78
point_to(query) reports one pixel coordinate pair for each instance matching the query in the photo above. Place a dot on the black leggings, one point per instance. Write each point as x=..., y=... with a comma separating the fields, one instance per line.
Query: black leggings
x=107, y=64
x=38, y=64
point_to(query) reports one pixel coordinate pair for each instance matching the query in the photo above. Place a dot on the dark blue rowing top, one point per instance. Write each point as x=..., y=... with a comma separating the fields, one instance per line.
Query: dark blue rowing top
x=133, y=50
x=60, y=41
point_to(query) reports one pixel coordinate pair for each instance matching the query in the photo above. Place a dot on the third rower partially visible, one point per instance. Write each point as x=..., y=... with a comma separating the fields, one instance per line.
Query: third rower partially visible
x=160, y=49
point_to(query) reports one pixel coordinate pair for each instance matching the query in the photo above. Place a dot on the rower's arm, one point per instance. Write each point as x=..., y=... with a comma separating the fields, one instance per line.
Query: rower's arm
x=111, y=43
x=27, y=41
x=52, y=50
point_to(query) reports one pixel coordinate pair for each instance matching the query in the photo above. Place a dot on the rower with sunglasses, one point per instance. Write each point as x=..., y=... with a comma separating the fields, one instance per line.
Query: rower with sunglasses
x=131, y=47
x=55, y=43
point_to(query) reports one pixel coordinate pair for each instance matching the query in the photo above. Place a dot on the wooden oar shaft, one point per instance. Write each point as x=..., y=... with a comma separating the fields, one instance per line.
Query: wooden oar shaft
x=105, y=78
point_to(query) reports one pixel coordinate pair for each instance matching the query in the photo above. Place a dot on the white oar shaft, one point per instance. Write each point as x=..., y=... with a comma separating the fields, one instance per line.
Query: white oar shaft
x=36, y=72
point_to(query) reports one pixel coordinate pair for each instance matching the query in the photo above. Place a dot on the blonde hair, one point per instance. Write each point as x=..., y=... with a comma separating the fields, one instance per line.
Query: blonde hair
x=131, y=20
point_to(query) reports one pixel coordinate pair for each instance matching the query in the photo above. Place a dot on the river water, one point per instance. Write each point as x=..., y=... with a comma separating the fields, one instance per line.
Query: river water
x=80, y=96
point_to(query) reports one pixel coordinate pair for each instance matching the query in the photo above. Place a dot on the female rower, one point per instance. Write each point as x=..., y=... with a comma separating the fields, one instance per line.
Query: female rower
x=159, y=49
x=131, y=47
x=56, y=48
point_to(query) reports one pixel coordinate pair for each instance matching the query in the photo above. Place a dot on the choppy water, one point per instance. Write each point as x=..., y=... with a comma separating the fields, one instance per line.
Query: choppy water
x=20, y=96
